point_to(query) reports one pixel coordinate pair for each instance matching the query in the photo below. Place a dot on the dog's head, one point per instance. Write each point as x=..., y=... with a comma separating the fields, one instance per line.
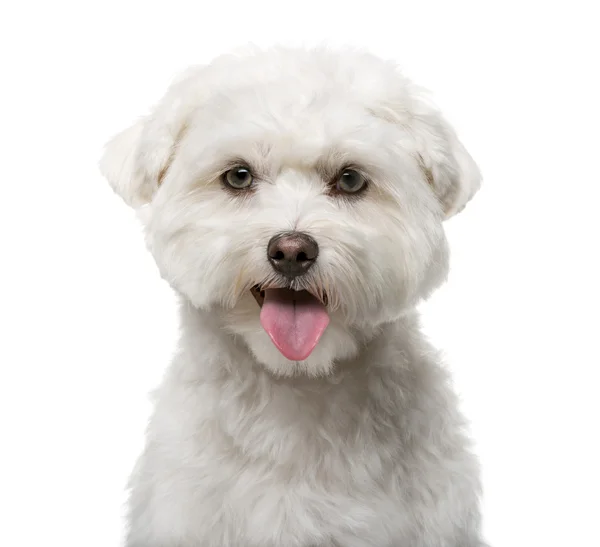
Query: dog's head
x=296, y=195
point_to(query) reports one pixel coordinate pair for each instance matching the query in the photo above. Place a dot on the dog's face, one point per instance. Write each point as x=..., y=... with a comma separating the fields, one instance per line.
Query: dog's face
x=298, y=196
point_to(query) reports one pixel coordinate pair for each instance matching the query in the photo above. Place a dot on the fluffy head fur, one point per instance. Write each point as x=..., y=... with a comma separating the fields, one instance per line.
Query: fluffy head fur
x=296, y=118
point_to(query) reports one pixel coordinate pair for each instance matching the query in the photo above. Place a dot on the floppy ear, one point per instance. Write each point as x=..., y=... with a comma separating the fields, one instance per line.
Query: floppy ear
x=447, y=166
x=449, y=169
x=134, y=170
x=136, y=160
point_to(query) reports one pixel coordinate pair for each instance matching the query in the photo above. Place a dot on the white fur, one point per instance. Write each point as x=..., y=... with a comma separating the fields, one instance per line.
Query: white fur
x=362, y=444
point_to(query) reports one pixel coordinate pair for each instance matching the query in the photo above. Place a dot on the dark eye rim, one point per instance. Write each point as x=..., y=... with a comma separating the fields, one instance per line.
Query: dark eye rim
x=231, y=187
x=335, y=186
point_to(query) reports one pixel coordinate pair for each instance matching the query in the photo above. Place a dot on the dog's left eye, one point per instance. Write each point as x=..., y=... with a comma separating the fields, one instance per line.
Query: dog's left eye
x=238, y=178
x=351, y=181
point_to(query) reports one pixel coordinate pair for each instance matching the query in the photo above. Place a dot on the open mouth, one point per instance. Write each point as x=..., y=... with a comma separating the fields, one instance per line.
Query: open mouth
x=294, y=320
x=259, y=295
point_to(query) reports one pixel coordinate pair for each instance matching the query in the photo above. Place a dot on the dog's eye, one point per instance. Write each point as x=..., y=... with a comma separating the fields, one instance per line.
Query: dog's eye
x=238, y=178
x=351, y=181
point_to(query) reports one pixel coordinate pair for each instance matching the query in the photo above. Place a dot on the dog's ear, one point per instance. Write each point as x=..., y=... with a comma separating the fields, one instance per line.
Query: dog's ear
x=133, y=170
x=136, y=160
x=118, y=165
x=447, y=166
x=449, y=169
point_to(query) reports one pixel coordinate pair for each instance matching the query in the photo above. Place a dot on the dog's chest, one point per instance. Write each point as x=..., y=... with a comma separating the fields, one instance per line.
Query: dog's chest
x=301, y=474
x=298, y=468
x=332, y=499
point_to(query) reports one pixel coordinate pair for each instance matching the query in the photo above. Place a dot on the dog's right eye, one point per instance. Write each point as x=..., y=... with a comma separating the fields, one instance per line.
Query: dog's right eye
x=238, y=178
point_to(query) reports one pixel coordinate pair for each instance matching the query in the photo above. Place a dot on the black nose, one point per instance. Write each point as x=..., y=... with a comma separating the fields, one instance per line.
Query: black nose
x=292, y=253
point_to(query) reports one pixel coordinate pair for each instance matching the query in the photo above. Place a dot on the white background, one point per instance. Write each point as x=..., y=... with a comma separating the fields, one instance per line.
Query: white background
x=88, y=326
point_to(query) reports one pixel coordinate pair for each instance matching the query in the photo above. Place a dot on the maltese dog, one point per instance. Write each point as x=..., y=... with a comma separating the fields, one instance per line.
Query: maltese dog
x=294, y=199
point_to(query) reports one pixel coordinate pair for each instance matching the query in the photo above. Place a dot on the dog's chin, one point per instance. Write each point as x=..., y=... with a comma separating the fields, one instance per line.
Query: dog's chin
x=337, y=343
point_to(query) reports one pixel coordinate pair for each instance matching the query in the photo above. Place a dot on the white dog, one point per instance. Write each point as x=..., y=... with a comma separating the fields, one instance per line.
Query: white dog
x=294, y=199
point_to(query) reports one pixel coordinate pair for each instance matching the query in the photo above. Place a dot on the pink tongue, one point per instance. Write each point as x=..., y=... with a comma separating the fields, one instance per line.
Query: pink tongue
x=295, y=320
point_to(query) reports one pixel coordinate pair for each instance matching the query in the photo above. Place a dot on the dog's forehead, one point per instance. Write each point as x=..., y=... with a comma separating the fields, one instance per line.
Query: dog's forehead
x=287, y=120
x=302, y=136
x=285, y=105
